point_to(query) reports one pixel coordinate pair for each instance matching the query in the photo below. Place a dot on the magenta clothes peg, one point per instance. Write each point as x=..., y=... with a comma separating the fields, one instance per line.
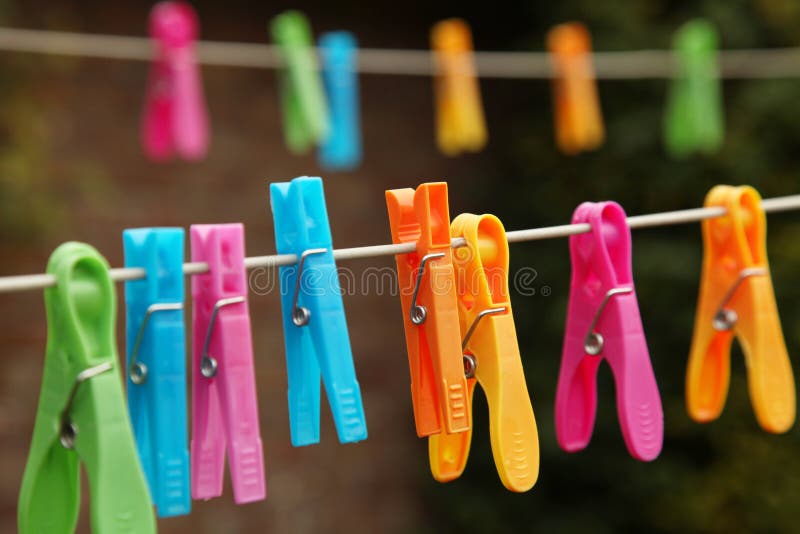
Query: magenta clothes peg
x=603, y=322
x=175, y=118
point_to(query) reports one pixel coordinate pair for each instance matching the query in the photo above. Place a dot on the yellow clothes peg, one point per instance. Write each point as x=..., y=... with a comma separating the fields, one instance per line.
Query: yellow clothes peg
x=491, y=358
x=460, y=124
x=736, y=297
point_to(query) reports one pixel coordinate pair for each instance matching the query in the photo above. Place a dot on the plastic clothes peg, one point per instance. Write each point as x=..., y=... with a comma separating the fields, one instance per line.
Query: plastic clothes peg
x=603, y=322
x=224, y=405
x=578, y=119
x=314, y=323
x=156, y=364
x=492, y=359
x=460, y=124
x=305, y=110
x=81, y=416
x=341, y=149
x=426, y=280
x=737, y=298
x=694, y=120
x=175, y=117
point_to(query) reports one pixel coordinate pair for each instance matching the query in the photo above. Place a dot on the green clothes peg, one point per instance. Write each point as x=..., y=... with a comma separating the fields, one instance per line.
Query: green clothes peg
x=305, y=109
x=694, y=118
x=81, y=415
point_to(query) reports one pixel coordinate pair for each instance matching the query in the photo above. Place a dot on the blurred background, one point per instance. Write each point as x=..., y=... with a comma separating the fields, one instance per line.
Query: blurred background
x=71, y=168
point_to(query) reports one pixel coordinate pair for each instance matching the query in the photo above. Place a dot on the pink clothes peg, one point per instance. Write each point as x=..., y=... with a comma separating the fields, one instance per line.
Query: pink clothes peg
x=224, y=407
x=175, y=117
x=603, y=322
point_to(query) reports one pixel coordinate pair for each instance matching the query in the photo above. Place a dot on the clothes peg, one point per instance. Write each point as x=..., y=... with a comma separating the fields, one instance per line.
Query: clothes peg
x=341, y=149
x=736, y=298
x=175, y=117
x=224, y=405
x=603, y=322
x=81, y=416
x=460, y=124
x=428, y=299
x=694, y=120
x=156, y=364
x=314, y=324
x=305, y=111
x=491, y=358
x=578, y=119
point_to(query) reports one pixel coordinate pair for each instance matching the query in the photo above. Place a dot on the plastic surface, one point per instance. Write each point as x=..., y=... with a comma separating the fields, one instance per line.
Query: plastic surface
x=175, y=118
x=157, y=406
x=81, y=312
x=323, y=345
x=482, y=281
x=731, y=244
x=224, y=407
x=601, y=261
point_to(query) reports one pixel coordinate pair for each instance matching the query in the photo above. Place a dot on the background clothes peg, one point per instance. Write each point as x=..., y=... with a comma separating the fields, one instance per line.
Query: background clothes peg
x=694, y=119
x=578, y=119
x=314, y=324
x=603, y=322
x=175, y=117
x=156, y=364
x=426, y=279
x=736, y=297
x=305, y=111
x=492, y=358
x=341, y=148
x=81, y=415
x=460, y=124
x=224, y=405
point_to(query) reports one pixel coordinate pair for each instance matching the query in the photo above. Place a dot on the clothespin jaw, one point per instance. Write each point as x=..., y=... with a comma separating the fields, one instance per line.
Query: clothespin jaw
x=224, y=404
x=314, y=322
x=175, y=118
x=341, y=148
x=492, y=357
x=603, y=322
x=81, y=415
x=578, y=119
x=694, y=120
x=156, y=364
x=460, y=122
x=305, y=110
x=430, y=310
x=737, y=298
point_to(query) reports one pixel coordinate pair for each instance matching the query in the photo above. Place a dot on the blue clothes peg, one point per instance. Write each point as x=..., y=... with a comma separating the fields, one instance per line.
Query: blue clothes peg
x=156, y=364
x=314, y=324
x=341, y=149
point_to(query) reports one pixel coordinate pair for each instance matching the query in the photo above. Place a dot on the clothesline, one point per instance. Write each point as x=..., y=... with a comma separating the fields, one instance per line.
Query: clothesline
x=9, y=284
x=620, y=65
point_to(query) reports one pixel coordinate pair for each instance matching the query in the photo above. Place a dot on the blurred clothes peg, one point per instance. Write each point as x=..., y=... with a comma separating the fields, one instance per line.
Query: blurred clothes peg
x=81, y=416
x=491, y=357
x=694, y=120
x=156, y=364
x=314, y=323
x=305, y=111
x=224, y=405
x=175, y=118
x=578, y=119
x=460, y=124
x=427, y=286
x=603, y=322
x=737, y=298
x=341, y=148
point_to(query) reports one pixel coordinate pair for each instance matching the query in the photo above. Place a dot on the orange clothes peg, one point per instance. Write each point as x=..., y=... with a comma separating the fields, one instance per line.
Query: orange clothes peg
x=578, y=119
x=460, y=123
x=492, y=359
x=736, y=297
x=430, y=315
